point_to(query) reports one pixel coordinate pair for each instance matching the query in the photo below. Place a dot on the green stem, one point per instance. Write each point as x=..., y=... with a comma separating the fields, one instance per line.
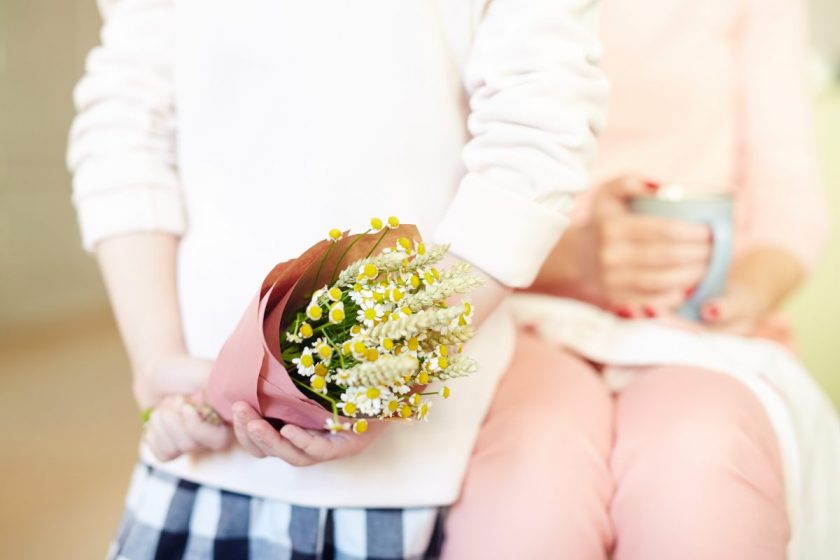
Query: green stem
x=320, y=266
x=317, y=394
x=347, y=250
x=378, y=241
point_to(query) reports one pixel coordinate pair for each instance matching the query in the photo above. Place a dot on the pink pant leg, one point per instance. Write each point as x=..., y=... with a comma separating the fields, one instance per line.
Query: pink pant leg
x=538, y=484
x=697, y=471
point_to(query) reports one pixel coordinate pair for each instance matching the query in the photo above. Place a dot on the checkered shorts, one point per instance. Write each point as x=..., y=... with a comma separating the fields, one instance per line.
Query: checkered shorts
x=168, y=518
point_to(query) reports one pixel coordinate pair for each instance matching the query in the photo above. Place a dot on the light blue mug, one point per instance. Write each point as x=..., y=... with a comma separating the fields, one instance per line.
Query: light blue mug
x=713, y=210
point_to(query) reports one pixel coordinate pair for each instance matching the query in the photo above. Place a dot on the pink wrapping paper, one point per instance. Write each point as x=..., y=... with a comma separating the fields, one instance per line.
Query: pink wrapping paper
x=249, y=366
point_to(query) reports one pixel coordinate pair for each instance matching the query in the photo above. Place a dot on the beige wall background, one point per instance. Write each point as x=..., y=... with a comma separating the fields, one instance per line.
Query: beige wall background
x=69, y=430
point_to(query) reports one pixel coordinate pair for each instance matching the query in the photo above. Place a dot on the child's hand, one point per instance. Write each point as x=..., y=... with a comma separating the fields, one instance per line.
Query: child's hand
x=178, y=425
x=294, y=445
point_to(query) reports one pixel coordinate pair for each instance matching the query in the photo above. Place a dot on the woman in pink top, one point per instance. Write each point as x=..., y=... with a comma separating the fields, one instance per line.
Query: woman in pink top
x=683, y=463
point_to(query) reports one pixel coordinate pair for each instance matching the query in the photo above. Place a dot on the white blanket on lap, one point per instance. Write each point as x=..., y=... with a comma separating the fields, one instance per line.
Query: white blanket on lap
x=805, y=422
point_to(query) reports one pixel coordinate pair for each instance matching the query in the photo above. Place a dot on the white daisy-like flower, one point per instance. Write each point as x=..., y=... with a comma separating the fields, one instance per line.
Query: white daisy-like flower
x=360, y=293
x=348, y=404
x=336, y=426
x=306, y=363
x=323, y=350
x=423, y=411
x=369, y=312
x=336, y=314
x=372, y=399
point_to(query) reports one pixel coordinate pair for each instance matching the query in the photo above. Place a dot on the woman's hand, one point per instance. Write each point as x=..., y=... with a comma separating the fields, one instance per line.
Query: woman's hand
x=180, y=425
x=760, y=279
x=635, y=265
x=179, y=421
x=294, y=445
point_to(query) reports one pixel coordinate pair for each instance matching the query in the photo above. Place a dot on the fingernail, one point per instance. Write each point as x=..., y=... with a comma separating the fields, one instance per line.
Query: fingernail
x=624, y=312
x=711, y=312
x=649, y=312
x=652, y=186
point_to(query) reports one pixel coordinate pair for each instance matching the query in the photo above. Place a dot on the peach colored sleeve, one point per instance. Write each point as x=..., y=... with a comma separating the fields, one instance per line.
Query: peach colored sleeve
x=781, y=195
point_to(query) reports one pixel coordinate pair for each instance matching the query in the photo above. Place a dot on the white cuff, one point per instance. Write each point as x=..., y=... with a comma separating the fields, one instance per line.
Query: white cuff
x=110, y=213
x=507, y=236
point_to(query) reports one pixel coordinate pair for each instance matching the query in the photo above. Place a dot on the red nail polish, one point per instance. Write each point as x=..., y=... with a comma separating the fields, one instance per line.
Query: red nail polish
x=624, y=312
x=649, y=312
x=690, y=292
x=652, y=186
x=711, y=312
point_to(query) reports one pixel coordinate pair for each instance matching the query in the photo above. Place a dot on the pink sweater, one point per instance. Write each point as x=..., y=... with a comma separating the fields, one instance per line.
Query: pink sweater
x=713, y=92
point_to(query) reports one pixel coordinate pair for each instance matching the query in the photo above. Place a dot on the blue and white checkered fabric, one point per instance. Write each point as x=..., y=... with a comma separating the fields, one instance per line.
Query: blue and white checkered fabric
x=169, y=518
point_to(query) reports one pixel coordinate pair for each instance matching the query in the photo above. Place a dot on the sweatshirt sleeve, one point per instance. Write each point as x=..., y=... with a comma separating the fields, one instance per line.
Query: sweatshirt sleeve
x=122, y=142
x=537, y=99
x=781, y=194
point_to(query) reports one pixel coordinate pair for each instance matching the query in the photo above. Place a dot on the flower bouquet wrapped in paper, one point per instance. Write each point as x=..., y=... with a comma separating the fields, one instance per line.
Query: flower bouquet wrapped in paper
x=353, y=330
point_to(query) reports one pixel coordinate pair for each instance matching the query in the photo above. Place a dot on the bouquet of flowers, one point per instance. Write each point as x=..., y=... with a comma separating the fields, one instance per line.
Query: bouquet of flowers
x=330, y=345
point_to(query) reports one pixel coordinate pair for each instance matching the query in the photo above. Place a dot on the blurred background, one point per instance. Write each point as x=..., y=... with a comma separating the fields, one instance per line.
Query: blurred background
x=69, y=431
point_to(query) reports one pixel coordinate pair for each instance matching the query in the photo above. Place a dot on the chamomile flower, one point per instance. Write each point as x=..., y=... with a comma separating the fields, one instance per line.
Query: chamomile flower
x=318, y=384
x=360, y=293
x=393, y=222
x=372, y=399
x=292, y=337
x=422, y=411
x=314, y=312
x=336, y=314
x=334, y=235
x=360, y=426
x=323, y=350
x=334, y=293
x=348, y=404
x=306, y=363
x=336, y=426
x=369, y=313
x=376, y=224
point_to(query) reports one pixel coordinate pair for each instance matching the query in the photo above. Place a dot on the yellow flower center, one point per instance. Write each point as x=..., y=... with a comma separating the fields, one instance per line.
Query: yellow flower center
x=318, y=383
x=370, y=314
x=355, y=329
x=396, y=295
x=372, y=393
x=372, y=355
x=325, y=352
x=337, y=314
x=359, y=347
x=467, y=308
x=335, y=234
x=393, y=221
x=443, y=350
x=306, y=360
x=421, y=249
x=415, y=281
x=445, y=392
x=413, y=343
x=423, y=378
x=314, y=312
x=376, y=223
x=305, y=330
x=404, y=243
x=443, y=362
x=350, y=408
x=405, y=411
x=335, y=294
x=393, y=406
x=321, y=370
x=361, y=426
x=370, y=270
x=387, y=344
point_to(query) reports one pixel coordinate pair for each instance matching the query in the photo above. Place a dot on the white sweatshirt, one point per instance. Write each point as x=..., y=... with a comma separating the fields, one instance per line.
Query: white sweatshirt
x=250, y=128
